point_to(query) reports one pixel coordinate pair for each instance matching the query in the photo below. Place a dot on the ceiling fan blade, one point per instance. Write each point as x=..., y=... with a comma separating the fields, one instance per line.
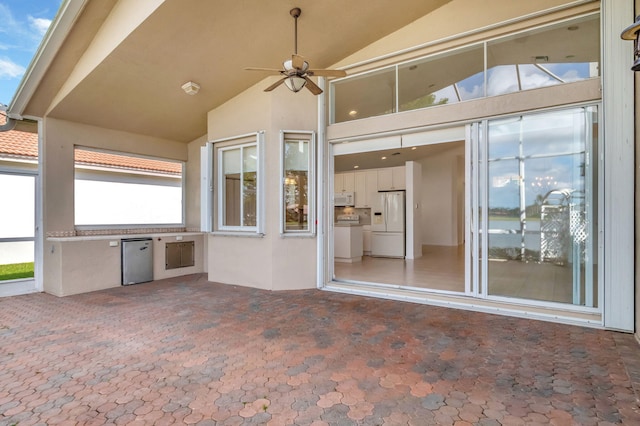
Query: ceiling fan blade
x=328, y=73
x=269, y=70
x=297, y=61
x=313, y=88
x=276, y=84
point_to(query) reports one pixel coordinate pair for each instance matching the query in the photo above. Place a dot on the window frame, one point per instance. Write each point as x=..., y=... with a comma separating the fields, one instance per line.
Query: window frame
x=310, y=137
x=217, y=147
x=131, y=225
x=436, y=55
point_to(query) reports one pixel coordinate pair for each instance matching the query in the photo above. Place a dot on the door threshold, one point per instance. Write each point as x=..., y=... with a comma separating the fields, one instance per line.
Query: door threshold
x=460, y=301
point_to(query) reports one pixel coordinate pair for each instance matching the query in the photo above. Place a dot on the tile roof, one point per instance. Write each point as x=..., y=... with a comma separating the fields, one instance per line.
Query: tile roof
x=16, y=144
x=19, y=145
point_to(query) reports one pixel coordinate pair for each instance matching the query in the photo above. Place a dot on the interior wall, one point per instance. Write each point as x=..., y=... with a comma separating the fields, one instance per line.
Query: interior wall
x=440, y=178
x=414, y=210
x=270, y=261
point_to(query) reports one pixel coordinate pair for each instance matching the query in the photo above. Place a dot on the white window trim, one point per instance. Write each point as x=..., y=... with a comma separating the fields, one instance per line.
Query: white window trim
x=311, y=184
x=256, y=139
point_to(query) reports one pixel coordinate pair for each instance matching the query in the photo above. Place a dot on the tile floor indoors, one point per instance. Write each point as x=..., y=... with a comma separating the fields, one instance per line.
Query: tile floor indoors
x=187, y=351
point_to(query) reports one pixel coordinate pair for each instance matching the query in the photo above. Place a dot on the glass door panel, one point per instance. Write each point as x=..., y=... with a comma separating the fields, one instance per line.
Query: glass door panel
x=17, y=227
x=539, y=207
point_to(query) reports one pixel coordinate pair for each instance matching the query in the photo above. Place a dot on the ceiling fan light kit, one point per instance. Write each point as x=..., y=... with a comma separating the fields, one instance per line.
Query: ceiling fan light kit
x=295, y=83
x=295, y=73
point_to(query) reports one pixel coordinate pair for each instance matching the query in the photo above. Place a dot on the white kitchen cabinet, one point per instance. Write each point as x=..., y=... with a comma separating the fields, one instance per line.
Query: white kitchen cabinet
x=347, y=243
x=392, y=179
x=344, y=182
x=366, y=187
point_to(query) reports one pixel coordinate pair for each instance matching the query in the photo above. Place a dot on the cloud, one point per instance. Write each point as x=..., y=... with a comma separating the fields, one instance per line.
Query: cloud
x=40, y=25
x=9, y=69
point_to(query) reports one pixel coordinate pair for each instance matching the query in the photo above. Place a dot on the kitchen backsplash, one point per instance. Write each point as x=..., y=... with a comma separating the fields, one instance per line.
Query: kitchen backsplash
x=365, y=214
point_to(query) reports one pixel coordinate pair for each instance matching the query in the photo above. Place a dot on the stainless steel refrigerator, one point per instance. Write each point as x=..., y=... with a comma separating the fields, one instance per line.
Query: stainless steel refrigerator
x=388, y=225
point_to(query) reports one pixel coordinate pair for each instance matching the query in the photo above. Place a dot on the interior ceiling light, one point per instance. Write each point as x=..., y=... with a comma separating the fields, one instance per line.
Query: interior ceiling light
x=356, y=167
x=383, y=158
x=191, y=88
x=573, y=28
x=413, y=148
x=540, y=59
x=353, y=113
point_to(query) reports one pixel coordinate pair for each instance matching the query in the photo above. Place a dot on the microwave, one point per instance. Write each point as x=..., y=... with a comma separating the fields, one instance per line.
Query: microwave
x=344, y=199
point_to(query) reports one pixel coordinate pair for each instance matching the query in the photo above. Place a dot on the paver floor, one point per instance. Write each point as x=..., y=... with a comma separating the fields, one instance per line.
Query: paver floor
x=188, y=351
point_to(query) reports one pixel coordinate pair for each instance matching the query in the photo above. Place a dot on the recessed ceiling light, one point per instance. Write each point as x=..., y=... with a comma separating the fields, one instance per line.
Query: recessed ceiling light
x=540, y=59
x=353, y=113
x=570, y=56
x=573, y=28
x=383, y=158
x=413, y=148
x=356, y=167
x=396, y=153
x=413, y=67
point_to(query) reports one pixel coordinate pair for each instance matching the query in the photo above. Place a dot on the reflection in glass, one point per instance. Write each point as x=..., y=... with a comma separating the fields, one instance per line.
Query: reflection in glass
x=444, y=79
x=364, y=96
x=296, y=190
x=249, y=186
x=239, y=167
x=540, y=208
x=558, y=54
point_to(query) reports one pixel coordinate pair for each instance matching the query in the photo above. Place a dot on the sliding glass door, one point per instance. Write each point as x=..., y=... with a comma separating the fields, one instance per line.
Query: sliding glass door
x=535, y=207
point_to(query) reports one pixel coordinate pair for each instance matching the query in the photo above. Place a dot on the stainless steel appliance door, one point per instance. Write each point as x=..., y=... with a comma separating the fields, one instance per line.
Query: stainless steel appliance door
x=137, y=261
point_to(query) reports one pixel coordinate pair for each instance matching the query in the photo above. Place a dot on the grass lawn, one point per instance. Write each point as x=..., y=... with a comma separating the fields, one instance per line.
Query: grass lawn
x=16, y=271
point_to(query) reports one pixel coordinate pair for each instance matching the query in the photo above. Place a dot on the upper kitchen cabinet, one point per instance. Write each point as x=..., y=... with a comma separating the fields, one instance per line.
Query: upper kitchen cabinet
x=392, y=179
x=344, y=182
x=366, y=186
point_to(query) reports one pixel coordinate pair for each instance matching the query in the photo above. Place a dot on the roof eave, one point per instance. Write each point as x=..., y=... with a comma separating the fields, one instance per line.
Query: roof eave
x=53, y=39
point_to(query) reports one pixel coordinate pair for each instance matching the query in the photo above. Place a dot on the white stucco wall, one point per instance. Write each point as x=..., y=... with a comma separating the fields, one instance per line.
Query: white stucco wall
x=270, y=261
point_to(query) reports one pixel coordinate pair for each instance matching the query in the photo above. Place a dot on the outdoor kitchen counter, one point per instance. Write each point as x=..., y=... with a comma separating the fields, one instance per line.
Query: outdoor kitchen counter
x=118, y=237
x=81, y=264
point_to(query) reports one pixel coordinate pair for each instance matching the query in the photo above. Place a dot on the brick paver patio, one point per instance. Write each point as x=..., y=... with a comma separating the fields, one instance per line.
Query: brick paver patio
x=189, y=351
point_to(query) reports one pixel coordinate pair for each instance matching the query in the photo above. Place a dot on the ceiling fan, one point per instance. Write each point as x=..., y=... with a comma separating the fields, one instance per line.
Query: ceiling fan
x=296, y=70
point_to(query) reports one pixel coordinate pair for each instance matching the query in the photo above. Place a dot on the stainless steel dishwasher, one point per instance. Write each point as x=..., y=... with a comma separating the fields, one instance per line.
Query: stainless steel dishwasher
x=137, y=260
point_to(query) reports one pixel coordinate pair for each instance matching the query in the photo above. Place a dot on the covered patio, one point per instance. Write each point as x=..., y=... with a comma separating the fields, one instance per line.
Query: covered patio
x=184, y=350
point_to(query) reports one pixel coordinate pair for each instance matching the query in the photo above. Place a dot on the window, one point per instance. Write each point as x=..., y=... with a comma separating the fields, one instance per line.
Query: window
x=238, y=181
x=554, y=54
x=298, y=160
x=114, y=189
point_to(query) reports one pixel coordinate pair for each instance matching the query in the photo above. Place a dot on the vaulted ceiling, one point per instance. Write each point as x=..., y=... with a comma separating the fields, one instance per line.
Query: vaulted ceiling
x=137, y=87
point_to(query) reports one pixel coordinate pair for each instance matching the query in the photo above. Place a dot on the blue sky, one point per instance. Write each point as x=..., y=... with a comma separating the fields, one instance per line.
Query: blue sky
x=23, y=23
